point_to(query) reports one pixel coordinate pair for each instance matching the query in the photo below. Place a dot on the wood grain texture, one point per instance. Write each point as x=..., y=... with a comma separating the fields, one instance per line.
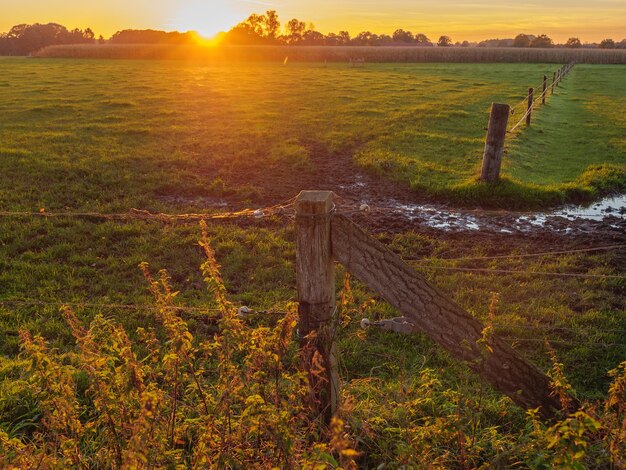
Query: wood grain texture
x=315, y=279
x=438, y=317
x=494, y=143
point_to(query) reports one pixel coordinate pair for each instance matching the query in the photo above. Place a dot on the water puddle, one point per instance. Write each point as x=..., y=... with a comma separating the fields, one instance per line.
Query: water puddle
x=608, y=213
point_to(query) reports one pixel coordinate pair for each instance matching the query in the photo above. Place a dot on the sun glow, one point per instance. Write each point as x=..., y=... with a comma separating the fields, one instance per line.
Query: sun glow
x=207, y=18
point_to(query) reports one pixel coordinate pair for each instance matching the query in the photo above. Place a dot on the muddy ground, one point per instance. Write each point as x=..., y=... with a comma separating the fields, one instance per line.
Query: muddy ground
x=394, y=207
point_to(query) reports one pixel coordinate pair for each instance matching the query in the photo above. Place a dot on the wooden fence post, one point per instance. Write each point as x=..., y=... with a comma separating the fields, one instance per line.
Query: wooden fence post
x=529, y=110
x=553, y=82
x=315, y=279
x=545, y=87
x=494, y=143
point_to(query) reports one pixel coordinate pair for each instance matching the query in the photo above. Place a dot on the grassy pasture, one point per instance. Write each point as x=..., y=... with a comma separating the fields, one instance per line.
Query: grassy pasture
x=166, y=127
x=110, y=136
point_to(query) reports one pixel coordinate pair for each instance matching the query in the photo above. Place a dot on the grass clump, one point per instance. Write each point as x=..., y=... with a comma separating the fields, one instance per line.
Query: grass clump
x=596, y=181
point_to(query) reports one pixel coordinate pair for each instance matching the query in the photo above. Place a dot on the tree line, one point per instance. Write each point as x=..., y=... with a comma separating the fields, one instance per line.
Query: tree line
x=262, y=29
x=24, y=39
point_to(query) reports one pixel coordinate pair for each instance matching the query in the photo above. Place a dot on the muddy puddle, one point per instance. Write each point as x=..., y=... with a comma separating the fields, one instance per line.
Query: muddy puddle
x=608, y=213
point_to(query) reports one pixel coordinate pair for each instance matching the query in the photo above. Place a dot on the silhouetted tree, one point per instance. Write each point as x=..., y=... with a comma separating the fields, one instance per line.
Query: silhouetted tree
x=365, y=38
x=295, y=30
x=542, y=41
x=312, y=38
x=151, y=36
x=272, y=25
x=422, y=40
x=496, y=43
x=521, y=40
x=256, y=29
x=384, y=40
x=25, y=39
x=573, y=43
x=400, y=35
x=607, y=44
x=444, y=41
x=341, y=39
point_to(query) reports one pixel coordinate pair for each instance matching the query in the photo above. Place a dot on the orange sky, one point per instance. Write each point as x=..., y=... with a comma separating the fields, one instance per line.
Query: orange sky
x=590, y=20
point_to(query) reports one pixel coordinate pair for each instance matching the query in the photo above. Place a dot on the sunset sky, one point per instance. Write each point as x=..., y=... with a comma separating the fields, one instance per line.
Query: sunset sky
x=590, y=20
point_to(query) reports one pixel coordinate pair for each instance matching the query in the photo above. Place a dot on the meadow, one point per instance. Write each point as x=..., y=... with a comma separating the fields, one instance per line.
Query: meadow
x=110, y=136
x=422, y=125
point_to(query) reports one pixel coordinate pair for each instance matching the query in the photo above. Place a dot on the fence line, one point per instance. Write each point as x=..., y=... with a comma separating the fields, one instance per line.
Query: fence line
x=556, y=79
x=499, y=125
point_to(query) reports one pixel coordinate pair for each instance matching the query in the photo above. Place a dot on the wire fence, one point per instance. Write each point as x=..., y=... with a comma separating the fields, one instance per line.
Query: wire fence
x=529, y=105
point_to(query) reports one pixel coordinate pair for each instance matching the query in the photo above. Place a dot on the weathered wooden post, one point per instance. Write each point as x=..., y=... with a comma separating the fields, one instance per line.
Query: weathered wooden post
x=545, y=87
x=315, y=280
x=553, y=82
x=529, y=110
x=494, y=143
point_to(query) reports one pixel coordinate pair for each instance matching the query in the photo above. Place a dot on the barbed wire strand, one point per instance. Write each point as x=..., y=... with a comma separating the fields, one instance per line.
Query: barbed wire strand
x=526, y=273
x=521, y=255
x=40, y=303
x=535, y=100
x=141, y=214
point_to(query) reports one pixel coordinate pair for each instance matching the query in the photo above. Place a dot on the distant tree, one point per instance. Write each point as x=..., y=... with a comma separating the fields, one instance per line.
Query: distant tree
x=542, y=41
x=573, y=43
x=400, y=35
x=444, y=41
x=332, y=39
x=295, y=30
x=101, y=39
x=521, y=40
x=256, y=29
x=25, y=39
x=313, y=38
x=607, y=44
x=465, y=44
x=422, y=39
x=340, y=39
x=496, y=43
x=621, y=44
x=384, y=40
x=256, y=24
x=89, y=35
x=345, y=37
x=243, y=33
x=365, y=38
x=151, y=36
x=272, y=24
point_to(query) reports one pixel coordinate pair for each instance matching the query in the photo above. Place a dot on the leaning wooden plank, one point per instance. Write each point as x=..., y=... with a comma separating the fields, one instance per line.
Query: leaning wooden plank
x=437, y=316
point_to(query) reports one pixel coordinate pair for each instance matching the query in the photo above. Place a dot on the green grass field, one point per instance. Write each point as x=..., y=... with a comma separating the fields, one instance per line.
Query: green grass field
x=147, y=128
x=110, y=136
